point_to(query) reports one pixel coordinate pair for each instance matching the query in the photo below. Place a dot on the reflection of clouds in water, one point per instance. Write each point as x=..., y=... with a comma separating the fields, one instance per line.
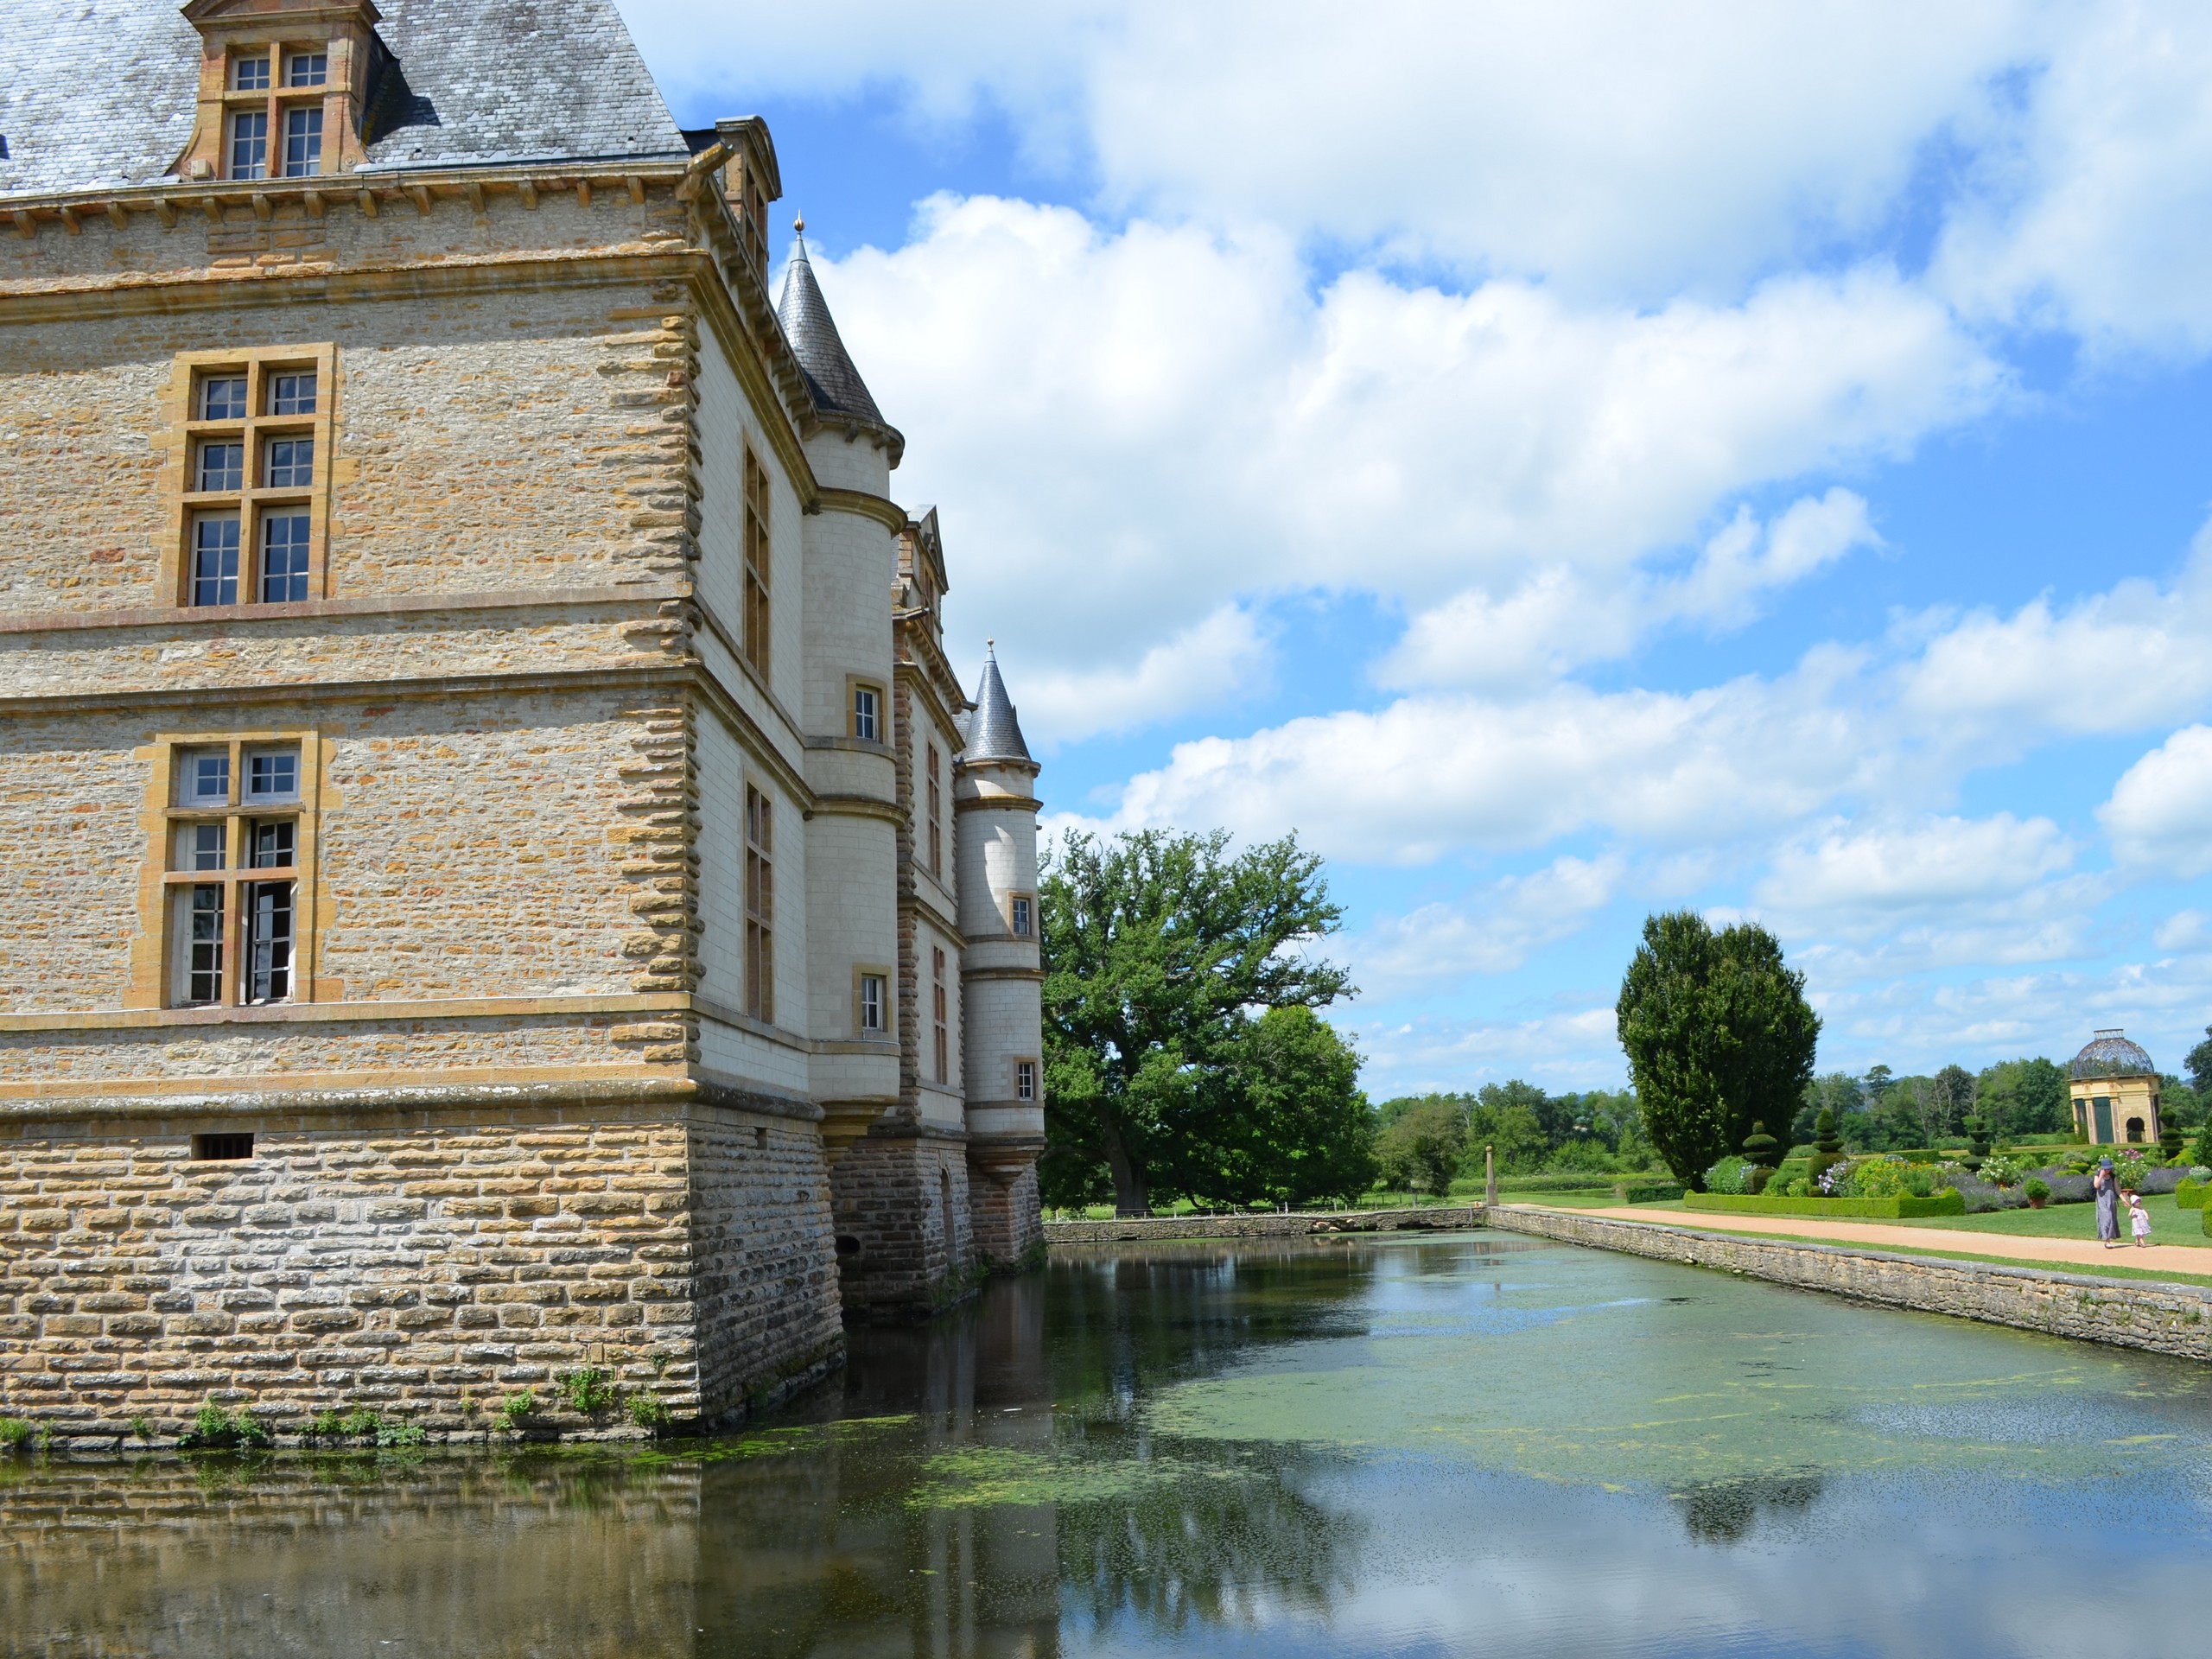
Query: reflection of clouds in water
x=2058, y=1420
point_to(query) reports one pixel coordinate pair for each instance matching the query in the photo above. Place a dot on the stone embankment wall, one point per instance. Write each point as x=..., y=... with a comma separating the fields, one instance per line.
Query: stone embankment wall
x=426, y=1266
x=1273, y=1224
x=2167, y=1319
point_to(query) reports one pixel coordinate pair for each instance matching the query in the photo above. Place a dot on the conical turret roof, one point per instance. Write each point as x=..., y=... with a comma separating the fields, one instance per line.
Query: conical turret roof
x=993, y=733
x=831, y=376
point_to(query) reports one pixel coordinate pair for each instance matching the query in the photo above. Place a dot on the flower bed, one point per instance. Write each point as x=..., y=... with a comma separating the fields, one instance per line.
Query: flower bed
x=1945, y=1203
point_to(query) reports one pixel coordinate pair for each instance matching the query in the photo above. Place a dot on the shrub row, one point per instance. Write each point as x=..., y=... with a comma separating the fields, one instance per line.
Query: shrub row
x=1947, y=1203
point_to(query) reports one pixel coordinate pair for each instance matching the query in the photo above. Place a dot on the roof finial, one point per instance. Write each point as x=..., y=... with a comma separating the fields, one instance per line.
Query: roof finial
x=991, y=646
x=799, y=225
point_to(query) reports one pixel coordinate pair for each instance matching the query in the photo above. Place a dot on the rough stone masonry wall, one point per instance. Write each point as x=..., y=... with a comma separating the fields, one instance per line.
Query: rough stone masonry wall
x=417, y=1265
x=901, y=1249
x=2167, y=1319
x=1005, y=1218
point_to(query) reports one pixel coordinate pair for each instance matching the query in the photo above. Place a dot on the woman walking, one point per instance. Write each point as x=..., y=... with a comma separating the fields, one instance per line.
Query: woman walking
x=2108, y=1192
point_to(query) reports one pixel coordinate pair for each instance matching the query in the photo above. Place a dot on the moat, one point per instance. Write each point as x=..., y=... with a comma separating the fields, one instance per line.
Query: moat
x=1397, y=1446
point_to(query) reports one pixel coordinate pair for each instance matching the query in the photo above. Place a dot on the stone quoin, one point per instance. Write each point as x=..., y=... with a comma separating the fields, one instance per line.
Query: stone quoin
x=505, y=879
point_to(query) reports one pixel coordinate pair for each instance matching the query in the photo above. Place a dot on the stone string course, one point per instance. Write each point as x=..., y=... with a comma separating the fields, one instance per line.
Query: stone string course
x=2166, y=1319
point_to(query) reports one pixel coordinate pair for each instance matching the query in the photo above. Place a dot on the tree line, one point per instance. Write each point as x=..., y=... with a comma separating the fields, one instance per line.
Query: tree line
x=1186, y=1057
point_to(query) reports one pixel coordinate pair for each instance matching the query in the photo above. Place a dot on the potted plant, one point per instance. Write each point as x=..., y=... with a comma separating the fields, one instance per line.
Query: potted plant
x=2038, y=1191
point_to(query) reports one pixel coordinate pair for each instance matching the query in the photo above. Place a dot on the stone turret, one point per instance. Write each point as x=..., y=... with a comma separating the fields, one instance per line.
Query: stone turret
x=1001, y=972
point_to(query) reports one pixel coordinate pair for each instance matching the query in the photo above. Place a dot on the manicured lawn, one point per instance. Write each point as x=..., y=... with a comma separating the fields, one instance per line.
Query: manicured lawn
x=2169, y=1224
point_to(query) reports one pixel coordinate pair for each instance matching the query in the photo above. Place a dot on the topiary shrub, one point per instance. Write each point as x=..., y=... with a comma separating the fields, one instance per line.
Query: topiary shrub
x=2038, y=1190
x=1828, y=1150
x=2170, y=1141
x=1763, y=1153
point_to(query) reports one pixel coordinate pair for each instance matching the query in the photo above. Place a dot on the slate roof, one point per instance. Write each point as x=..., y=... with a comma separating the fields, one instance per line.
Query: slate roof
x=831, y=376
x=2109, y=1054
x=993, y=733
x=102, y=92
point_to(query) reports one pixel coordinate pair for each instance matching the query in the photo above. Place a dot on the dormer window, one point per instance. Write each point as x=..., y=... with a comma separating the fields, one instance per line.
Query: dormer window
x=282, y=84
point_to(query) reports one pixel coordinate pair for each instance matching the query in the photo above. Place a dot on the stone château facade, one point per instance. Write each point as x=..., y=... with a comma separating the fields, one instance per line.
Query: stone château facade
x=503, y=878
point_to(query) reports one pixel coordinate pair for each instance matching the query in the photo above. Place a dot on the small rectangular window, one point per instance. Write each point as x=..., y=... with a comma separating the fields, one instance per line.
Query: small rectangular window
x=204, y=778
x=1025, y=1079
x=1024, y=921
x=269, y=843
x=273, y=775
x=290, y=464
x=222, y=467
x=200, y=847
x=292, y=394
x=249, y=143
x=250, y=75
x=222, y=398
x=222, y=1148
x=215, y=559
x=283, y=558
x=302, y=144
x=868, y=722
x=871, y=1002
x=306, y=69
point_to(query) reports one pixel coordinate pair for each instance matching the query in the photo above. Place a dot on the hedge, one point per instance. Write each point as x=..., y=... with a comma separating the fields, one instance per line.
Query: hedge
x=1947, y=1203
x=2189, y=1195
x=1650, y=1191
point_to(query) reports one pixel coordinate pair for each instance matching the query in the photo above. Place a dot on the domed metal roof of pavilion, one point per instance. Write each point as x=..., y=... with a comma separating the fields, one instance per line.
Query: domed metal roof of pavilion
x=2109, y=1054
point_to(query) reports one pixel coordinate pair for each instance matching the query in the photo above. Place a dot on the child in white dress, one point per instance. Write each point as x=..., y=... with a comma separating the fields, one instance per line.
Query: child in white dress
x=2139, y=1221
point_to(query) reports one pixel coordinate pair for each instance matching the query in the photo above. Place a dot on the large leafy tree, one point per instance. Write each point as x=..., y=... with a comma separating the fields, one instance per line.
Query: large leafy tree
x=1421, y=1149
x=1718, y=1035
x=1158, y=949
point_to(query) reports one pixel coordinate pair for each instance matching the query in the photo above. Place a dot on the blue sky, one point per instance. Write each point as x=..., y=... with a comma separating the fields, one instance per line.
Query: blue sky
x=1567, y=462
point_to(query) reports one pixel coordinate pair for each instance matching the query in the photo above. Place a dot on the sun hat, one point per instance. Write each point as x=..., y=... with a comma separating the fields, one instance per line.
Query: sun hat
x=2104, y=1163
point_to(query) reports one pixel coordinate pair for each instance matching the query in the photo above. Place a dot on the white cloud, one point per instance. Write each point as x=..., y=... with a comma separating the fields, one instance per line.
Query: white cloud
x=1573, y=1046
x=2185, y=930
x=1223, y=656
x=1559, y=620
x=2091, y=205
x=1172, y=421
x=1863, y=878
x=2160, y=813
x=1606, y=145
x=1435, y=947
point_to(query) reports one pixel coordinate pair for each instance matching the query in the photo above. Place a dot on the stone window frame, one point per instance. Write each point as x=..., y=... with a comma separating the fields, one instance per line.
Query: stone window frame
x=760, y=832
x=862, y=973
x=855, y=684
x=756, y=614
x=153, y=978
x=184, y=505
x=1021, y=1063
x=1014, y=915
